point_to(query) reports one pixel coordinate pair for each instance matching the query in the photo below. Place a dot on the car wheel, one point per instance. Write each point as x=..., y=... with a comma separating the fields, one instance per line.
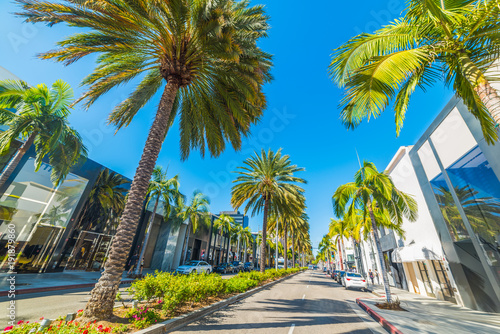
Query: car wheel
x=207, y=272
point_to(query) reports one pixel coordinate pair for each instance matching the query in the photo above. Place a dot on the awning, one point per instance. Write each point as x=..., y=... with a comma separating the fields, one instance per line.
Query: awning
x=416, y=252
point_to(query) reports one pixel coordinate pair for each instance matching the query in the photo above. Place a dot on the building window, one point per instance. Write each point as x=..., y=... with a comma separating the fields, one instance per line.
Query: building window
x=424, y=273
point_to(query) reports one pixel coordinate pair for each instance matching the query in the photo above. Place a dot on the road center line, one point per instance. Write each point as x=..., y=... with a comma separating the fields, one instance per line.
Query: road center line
x=304, y=296
x=291, y=329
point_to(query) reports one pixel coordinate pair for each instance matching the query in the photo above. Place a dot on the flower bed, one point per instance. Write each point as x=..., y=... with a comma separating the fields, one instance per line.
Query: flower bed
x=164, y=296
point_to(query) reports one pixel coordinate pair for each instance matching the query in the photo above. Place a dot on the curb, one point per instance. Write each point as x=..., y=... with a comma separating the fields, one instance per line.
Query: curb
x=183, y=320
x=382, y=321
x=56, y=288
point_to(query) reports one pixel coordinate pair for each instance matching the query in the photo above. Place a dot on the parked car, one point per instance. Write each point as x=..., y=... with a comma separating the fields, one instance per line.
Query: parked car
x=354, y=280
x=334, y=273
x=224, y=268
x=191, y=267
x=324, y=269
x=311, y=267
x=238, y=266
x=248, y=266
x=339, y=276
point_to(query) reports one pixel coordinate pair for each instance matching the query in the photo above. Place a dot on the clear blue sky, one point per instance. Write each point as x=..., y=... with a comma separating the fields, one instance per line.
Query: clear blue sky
x=302, y=115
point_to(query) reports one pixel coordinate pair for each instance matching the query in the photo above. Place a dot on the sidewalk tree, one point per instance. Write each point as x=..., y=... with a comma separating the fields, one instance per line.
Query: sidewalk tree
x=266, y=182
x=197, y=214
x=204, y=57
x=247, y=239
x=374, y=196
x=223, y=226
x=237, y=232
x=39, y=115
x=458, y=43
x=161, y=189
x=325, y=249
x=339, y=229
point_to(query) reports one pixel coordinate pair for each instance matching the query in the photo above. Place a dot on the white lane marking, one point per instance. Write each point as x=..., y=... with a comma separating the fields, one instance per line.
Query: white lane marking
x=304, y=296
x=308, y=286
x=291, y=329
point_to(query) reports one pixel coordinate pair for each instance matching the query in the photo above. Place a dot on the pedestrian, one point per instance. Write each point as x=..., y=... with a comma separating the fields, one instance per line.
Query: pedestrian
x=142, y=265
x=376, y=275
x=133, y=262
x=370, y=274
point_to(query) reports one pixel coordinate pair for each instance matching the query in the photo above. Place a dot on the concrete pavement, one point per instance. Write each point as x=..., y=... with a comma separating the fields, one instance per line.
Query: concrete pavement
x=308, y=303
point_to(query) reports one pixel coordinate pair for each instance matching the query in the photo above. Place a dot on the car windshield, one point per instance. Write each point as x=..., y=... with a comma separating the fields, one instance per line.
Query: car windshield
x=191, y=263
x=353, y=275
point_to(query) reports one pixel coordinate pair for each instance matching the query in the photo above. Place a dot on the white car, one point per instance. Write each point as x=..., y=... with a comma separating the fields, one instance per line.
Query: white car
x=191, y=267
x=353, y=280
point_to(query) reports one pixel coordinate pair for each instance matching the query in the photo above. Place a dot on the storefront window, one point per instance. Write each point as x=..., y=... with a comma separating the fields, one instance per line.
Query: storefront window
x=450, y=212
x=39, y=213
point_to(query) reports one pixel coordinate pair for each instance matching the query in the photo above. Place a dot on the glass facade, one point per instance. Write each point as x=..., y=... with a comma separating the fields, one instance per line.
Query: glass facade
x=39, y=212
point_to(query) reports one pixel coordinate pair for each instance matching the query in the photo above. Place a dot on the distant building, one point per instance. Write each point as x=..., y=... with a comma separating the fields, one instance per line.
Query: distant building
x=238, y=217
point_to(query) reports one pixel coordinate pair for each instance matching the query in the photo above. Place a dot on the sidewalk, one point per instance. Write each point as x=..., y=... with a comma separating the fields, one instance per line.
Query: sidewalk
x=429, y=315
x=33, y=283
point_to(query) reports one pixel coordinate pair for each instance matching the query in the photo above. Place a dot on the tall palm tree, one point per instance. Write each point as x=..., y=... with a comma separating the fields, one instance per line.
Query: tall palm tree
x=104, y=203
x=375, y=197
x=196, y=214
x=204, y=57
x=39, y=115
x=237, y=232
x=458, y=42
x=223, y=226
x=338, y=229
x=325, y=249
x=247, y=238
x=266, y=182
x=164, y=189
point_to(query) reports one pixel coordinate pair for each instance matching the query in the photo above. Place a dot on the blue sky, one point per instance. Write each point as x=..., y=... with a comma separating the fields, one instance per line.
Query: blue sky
x=302, y=115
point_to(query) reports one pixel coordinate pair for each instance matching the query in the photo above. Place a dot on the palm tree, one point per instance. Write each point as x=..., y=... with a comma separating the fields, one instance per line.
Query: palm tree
x=202, y=54
x=380, y=203
x=39, y=115
x=223, y=224
x=458, y=42
x=299, y=230
x=338, y=229
x=237, y=232
x=325, y=248
x=247, y=239
x=196, y=214
x=164, y=189
x=266, y=182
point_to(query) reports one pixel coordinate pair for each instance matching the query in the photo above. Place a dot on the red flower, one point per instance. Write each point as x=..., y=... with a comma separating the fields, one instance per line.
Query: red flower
x=41, y=318
x=8, y=328
x=85, y=331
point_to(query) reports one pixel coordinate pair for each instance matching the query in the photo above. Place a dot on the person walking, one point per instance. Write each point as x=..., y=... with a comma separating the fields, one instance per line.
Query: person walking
x=133, y=262
x=377, y=275
x=370, y=274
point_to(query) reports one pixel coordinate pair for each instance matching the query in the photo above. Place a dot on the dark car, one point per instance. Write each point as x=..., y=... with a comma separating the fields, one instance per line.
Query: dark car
x=334, y=273
x=339, y=276
x=224, y=268
x=248, y=266
x=238, y=266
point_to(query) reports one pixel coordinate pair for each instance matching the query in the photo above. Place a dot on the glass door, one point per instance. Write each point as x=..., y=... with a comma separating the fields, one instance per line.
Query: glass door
x=424, y=273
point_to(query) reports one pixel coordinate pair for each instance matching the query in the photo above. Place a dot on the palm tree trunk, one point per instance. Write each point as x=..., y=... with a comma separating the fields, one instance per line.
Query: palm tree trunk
x=213, y=250
x=228, y=244
x=264, y=236
x=14, y=162
x=220, y=249
x=340, y=256
x=285, y=248
x=293, y=250
x=238, y=247
x=245, y=256
x=345, y=255
x=146, y=238
x=186, y=243
x=102, y=300
x=380, y=257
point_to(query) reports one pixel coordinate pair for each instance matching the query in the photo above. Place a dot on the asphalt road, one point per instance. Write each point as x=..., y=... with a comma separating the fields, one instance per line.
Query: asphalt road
x=308, y=303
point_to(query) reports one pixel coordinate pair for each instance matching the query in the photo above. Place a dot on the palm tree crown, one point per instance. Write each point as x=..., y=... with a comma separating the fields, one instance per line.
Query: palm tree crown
x=39, y=115
x=455, y=39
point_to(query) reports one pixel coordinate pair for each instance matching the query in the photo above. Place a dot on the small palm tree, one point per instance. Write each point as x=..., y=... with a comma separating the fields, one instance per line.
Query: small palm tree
x=266, y=182
x=223, y=225
x=196, y=214
x=204, y=57
x=374, y=196
x=458, y=42
x=39, y=115
x=164, y=189
x=237, y=232
x=325, y=248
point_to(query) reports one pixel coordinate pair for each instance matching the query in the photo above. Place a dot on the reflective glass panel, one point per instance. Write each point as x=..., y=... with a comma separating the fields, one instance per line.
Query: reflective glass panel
x=39, y=213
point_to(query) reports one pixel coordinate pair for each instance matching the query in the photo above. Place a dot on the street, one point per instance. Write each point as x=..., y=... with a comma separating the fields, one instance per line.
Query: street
x=307, y=303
